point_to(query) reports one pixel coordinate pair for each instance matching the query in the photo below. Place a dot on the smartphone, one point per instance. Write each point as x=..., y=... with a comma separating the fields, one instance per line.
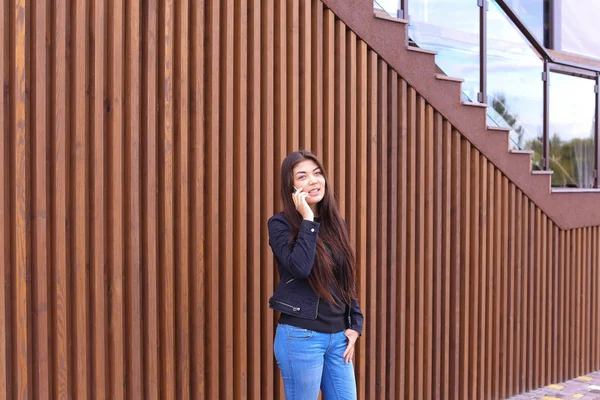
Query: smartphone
x=294, y=189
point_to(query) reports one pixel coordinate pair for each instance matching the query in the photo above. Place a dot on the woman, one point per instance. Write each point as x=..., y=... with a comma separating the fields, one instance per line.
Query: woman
x=316, y=295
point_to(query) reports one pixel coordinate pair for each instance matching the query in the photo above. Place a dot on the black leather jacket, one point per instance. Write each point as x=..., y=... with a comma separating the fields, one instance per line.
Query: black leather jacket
x=293, y=295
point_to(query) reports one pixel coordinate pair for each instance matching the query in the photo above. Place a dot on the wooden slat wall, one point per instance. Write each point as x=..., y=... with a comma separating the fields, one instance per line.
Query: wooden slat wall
x=139, y=164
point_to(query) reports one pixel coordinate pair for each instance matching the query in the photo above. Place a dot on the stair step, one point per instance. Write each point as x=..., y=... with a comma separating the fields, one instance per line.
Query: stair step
x=390, y=18
x=420, y=50
x=521, y=151
x=498, y=129
x=448, y=78
x=474, y=104
x=542, y=172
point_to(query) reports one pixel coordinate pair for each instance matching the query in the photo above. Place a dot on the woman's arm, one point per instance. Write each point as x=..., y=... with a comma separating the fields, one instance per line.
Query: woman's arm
x=298, y=257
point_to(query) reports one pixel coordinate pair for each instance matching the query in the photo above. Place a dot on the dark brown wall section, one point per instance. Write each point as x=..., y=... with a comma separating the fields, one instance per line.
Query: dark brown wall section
x=140, y=149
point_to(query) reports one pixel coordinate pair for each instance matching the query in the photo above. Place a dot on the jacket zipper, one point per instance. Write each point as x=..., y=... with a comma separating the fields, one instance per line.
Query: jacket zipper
x=296, y=309
x=317, y=312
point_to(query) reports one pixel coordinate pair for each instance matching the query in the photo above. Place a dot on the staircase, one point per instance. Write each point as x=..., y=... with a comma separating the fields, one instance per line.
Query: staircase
x=389, y=38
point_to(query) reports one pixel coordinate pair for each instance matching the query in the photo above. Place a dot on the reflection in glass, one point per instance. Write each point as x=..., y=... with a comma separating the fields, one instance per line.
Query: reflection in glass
x=389, y=7
x=450, y=27
x=572, y=102
x=531, y=12
x=577, y=28
x=515, y=87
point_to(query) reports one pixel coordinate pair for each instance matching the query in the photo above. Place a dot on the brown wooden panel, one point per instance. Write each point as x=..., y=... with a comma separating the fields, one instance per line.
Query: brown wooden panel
x=60, y=295
x=240, y=331
x=370, y=304
x=339, y=132
x=362, y=138
x=97, y=153
x=446, y=215
x=20, y=243
x=133, y=274
x=305, y=74
x=473, y=282
x=254, y=202
x=213, y=94
x=40, y=203
x=5, y=229
x=150, y=220
x=411, y=188
x=391, y=176
x=380, y=275
x=428, y=276
x=78, y=211
x=140, y=162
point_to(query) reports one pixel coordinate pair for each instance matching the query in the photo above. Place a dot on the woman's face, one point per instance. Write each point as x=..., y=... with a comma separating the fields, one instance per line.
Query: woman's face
x=309, y=177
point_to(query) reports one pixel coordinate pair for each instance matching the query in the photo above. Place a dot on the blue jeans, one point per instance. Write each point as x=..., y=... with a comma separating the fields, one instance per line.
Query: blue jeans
x=310, y=361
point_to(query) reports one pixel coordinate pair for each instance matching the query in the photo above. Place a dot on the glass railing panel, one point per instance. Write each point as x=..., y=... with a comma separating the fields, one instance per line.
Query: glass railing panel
x=389, y=7
x=450, y=27
x=572, y=108
x=514, y=83
x=576, y=29
x=531, y=12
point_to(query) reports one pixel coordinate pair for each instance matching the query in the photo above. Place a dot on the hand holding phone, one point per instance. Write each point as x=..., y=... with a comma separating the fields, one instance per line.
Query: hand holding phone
x=299, y=198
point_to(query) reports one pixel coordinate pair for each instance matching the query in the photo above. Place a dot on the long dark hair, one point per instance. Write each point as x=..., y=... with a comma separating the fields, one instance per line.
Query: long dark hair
x=334, y=261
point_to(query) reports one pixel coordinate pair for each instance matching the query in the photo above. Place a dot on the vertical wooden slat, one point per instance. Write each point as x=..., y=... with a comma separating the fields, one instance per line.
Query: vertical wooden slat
x=455, y=266
x=504, y=279
x=465, y=267
x=290, y=32
x=372, y=255
x=329, y=92
x=382, y=250
x=39, y=196
x=401, y=252
x=362, y=91
x=167, y=156
x=267, y=168
x=226, y=194
x=411, y=354
x=489, y=286
x=20, y=244
x=419, y=264
x=150, y=255
x=428, y=276
x=115, y=203
x=240, y=276
x=475, y=270
x=254, y=202
x=339, y=178
x=79, y=198
x=282, y=110
x=438, y=254
x=316, y=81
x=61, y=379
x=482, y=326
x=4, y=212
x=517, y=282
x=133, y=176
x=212, y=366
x=98, y=224
x=305, y=58
x=510, y=284
x=392, y=234
x=182, y=194
x=446, y=217
x=524, y=290
x=197, y=260
x=496, y=284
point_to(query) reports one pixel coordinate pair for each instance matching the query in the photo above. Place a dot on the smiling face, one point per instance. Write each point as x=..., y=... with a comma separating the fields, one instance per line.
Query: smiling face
x=309, y=177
